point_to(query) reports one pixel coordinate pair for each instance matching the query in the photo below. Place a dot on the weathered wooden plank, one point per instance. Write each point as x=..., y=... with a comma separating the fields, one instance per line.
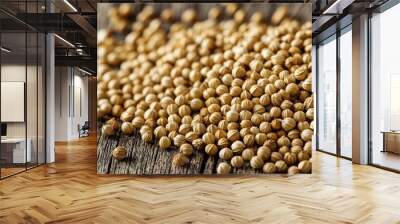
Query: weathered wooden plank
x=144, y=158
x=210, y=166
x=148, y=159
x=196, y=163
x=121, y=167
x=104, y=152
x=246, y=169
x=194, y=166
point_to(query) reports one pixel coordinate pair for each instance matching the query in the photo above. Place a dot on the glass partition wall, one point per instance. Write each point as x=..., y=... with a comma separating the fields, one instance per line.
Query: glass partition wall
x=22, y=94
x=385, y=89
x=334, y=94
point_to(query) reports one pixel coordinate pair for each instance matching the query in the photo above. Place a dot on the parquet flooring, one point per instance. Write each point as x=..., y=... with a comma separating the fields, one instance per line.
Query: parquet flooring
x=10, y=171
x=70, y=191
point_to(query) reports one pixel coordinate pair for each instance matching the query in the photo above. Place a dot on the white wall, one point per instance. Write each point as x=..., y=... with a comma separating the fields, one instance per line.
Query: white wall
x=12, y=73
x=70, y=83
x=61, y=103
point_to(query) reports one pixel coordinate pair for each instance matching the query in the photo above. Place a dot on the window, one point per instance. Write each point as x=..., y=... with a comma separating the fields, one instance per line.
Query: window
x=385, y=89
x=346, y=92
x=327, y=95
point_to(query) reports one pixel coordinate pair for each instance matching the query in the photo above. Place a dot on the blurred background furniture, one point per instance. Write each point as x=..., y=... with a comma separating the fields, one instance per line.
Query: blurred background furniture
x=84, y=130
x=391, y=141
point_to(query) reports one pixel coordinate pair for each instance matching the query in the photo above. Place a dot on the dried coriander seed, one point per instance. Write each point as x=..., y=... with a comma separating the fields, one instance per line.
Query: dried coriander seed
x=269, y=168
x=305, y=166
x=119, y=153
x=238, y=146
x=186, y=149
x=215, y=95
x=127, y=128
x=208, y=138
x=164, y=142
x=247, y=154
x=256, y=162
x=237, y=161
x=180, y=159
x=211, y=149
x=107, y=130
x=281, y=166
x=293, y=170
x=225, y=154
x=224, y=168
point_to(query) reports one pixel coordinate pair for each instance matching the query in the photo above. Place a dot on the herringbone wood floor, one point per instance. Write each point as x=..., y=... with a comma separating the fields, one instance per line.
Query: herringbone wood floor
x=69, y=191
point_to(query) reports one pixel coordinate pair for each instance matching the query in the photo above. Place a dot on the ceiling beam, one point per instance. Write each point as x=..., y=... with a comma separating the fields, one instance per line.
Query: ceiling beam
x=78, y=61
x=337, y=7
x=86, y=26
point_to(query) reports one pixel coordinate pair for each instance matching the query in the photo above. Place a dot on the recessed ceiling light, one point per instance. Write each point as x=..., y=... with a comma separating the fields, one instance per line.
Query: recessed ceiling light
x=70, y=5
x=64, y=40
x=5, y=50
x=338, y=6
x=84, y=71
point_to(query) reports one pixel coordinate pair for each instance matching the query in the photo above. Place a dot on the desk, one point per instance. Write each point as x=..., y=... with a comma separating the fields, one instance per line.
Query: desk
x=391, y=141
x=13, y=150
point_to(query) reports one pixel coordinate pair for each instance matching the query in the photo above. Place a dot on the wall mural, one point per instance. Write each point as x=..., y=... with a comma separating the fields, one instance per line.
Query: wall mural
x=204, y=89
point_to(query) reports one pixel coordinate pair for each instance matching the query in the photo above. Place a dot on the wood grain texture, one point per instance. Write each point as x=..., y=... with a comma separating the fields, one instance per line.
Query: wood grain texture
x=143, y=158
x=148, y=159
x=70, y=191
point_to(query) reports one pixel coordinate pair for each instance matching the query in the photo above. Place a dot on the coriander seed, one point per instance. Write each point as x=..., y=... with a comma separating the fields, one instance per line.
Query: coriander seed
x=305, y=166
x=211, y=149
x=256, y=162
x=224, y=168
x=237, y=161
x=281, y=166
x=107, y=130
x=164, y=142
x=180, y=159
x=269, y=168
x=119, y=153
x=225, y=154
x=186, y=149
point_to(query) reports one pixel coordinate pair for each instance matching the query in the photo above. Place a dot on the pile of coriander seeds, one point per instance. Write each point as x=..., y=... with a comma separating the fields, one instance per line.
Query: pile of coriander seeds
x=233, y=85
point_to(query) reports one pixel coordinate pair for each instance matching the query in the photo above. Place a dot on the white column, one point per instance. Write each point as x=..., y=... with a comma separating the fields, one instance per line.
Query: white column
x=50, y=99
x=50, y=92
x=314, y=89
x=360, y=90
